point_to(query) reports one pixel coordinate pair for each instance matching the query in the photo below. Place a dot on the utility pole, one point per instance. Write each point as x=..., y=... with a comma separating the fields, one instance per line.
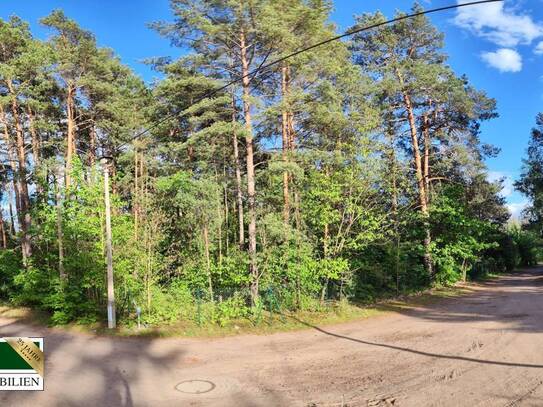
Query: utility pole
x=111, y=323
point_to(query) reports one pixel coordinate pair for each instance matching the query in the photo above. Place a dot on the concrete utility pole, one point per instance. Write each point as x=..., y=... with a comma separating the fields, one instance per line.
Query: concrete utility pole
x=111, y=322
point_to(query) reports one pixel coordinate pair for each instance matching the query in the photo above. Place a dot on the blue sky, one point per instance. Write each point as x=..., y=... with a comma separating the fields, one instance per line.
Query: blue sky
x=498, y=46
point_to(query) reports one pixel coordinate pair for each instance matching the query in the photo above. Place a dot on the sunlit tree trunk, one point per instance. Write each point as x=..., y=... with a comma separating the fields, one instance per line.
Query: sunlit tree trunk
x=26, y=247
x=426, y=168
x=239, y=192
x=423, y=200
x=70, y=139
x=251, y=194
x=13, y=165
x=36, y=143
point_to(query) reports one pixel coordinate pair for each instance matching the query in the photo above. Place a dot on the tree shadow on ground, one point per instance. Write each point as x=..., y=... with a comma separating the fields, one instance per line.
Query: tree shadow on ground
x=102, y=370
x=87, y=370
x=414, y=351
x=509, y=292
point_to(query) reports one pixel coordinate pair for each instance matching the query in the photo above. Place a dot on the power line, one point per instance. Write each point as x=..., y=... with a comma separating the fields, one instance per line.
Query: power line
x=262, y=67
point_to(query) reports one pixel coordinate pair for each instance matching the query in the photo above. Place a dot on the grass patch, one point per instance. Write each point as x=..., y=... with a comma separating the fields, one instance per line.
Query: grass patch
x=487, y=277
x=267, y=324
x=24, y=314
x=332, y=313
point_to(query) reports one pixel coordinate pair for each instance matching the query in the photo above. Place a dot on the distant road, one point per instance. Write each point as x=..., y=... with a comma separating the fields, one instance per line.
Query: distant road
x=484, y=349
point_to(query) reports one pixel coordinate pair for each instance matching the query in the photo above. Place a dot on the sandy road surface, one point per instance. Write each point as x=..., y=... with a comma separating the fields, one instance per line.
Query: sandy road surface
x=484, y=349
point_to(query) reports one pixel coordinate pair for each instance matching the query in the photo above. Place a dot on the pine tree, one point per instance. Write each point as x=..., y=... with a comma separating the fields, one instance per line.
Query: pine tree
x=438, y=108
x=229, y=44
x=22, y=61
x=74, y=50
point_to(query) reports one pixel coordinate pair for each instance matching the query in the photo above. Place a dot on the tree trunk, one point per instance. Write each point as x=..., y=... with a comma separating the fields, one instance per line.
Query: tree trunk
x=291, y=138
x=253, y=268
x=426, y=169
x=13, y=166
x=394, y=204
x=26, y=248
x=239, y=193
x=285, y=144
x=208, y=260
x=70, y=147
x=111, y=311
x=36, y=143
x=423, y=200
x=219, y=218
x=226, y=210
x=297, y=213
x=60, y=232
x=3, y=231
x=113, y=180
x=11, y=217
x=136, y=196
x=92, y=146
x=325, y=254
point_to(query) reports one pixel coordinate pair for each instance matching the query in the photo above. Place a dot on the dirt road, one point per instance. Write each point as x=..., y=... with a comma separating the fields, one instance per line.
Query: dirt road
x=484, y=349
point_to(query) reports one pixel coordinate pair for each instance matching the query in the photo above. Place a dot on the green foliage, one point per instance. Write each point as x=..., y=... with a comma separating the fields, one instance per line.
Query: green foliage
x=528, y=245
x=509, y=252
x=461, y=239
x=168, y=304
x=231, y=309
x=10, y=265
x=342, y=211
x=531, y=180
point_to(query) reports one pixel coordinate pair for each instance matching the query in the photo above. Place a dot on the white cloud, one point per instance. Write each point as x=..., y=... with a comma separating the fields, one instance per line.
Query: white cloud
x=503, y=26
x=503, y=59
x=507, y=182
x=539, y=48
x=516, y=208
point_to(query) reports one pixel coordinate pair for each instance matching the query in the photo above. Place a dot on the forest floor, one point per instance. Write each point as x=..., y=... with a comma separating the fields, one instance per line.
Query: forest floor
x=483, y=348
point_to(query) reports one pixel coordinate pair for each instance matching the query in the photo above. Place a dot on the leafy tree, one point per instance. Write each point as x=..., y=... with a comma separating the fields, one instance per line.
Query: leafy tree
x=531, y=179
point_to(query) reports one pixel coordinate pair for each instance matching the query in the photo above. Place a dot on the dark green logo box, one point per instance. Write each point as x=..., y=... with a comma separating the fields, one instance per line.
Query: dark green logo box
x=10, y=360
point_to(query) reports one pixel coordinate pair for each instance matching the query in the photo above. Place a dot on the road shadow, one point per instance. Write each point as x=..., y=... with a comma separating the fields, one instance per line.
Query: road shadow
x=90, y=371
x=122, y=372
